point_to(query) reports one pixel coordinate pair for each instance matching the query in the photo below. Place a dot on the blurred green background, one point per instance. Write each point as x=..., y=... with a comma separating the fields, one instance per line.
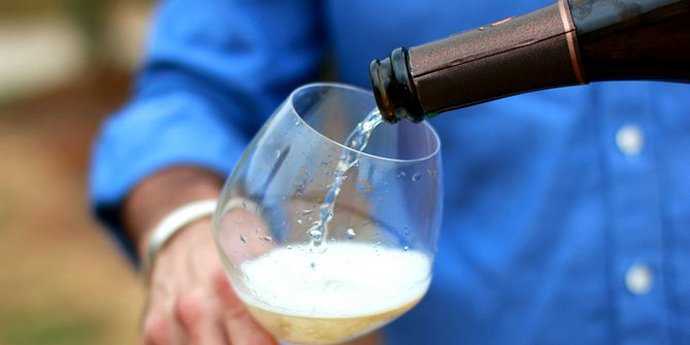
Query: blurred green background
x=64, y=65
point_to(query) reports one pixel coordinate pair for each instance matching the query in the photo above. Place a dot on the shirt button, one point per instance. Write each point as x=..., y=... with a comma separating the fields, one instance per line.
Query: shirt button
x=639, y=279
x=630, y=140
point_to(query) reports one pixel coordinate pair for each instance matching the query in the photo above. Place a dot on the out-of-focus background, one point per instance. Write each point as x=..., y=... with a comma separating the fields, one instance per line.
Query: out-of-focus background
x=64, y=65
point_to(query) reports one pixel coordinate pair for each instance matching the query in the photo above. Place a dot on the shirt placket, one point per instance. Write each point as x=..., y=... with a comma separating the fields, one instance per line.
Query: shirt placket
x=635, y=233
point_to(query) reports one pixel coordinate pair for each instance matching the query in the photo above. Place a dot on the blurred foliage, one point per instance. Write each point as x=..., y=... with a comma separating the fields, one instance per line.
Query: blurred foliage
x=88, y=15
x=62, y=281
x=32, y=8
x=48, y=327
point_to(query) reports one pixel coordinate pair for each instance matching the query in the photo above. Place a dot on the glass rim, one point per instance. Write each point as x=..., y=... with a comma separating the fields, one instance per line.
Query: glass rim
x=337, y=85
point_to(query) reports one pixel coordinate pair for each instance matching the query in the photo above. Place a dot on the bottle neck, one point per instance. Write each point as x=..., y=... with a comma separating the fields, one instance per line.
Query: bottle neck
x=529, y=52
x=567, y=43
x=633, y=39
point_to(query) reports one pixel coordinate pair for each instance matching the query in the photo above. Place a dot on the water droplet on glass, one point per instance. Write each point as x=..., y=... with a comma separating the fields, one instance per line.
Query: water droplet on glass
x=243, y=239
x=289, y=247
x=266, y=238
x=400, y=175
x=481, y=28
x=299, y=221
x=277, y=153
x=406, y=248
x=315, y=234
x=350, y=233
x=416, y=176
x=364, y=186
x=306, y=212
x=296, y=122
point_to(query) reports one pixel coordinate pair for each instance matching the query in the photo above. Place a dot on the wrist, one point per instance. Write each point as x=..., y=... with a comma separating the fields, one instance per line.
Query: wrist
x=175, y=221
x=162, y=193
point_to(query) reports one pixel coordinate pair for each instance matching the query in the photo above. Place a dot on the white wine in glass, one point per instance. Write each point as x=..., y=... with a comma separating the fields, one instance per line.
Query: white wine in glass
x=352, y=290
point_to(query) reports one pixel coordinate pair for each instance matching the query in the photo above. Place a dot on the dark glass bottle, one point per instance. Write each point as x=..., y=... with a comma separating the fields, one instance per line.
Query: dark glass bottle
x=570, y=42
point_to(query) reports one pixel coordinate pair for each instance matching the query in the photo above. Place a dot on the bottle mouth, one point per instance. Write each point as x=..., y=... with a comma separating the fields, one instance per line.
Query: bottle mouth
x=395, y=93
x=379, y=73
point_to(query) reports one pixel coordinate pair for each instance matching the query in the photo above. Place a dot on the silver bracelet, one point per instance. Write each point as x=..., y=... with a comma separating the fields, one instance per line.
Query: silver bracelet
x=174, y=221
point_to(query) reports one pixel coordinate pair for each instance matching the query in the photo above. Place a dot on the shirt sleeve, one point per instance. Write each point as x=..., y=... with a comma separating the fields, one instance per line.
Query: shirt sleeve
x=214, y=71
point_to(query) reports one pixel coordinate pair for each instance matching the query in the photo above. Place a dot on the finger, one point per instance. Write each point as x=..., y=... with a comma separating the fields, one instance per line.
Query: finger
x=240, y=327
x=158, y=330
x=199, y=317
x=158, y=326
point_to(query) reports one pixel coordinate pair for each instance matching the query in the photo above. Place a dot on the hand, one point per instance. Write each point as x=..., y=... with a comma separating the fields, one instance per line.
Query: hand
x=191, y=300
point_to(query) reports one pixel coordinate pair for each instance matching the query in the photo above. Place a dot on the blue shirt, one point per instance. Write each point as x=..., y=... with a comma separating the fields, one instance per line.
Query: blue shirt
x=567, y=212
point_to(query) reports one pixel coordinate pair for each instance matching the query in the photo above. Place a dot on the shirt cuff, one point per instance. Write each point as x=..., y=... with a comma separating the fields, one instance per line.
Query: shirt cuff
x=153, y=134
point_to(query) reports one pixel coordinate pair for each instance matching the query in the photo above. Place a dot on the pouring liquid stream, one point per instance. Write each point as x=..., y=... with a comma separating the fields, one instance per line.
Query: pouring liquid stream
x=356, y=142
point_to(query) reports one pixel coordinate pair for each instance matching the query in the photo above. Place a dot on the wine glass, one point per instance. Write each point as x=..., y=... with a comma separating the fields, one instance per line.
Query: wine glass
x=372, y=261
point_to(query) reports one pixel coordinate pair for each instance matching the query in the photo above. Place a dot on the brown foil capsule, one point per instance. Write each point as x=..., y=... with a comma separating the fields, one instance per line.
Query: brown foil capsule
x=530, y=52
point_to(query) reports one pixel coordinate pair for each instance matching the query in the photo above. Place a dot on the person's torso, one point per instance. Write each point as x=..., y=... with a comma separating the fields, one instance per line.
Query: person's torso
x=567, y=212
